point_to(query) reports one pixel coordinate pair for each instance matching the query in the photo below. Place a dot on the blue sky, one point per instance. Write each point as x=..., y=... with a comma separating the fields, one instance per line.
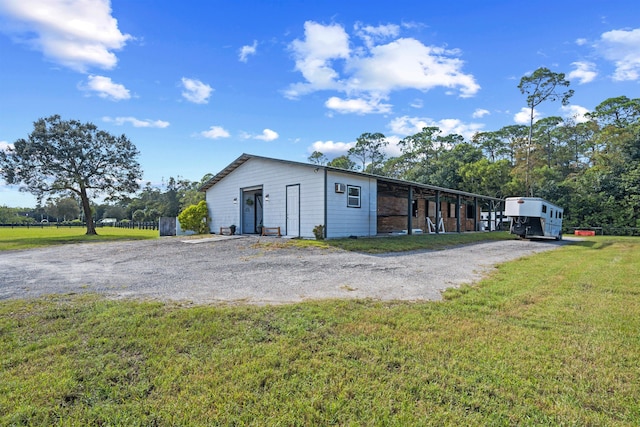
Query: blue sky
x=194, y=84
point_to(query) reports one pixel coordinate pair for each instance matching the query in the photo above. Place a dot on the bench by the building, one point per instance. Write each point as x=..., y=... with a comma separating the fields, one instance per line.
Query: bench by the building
x=226, y=231
x=271, y=231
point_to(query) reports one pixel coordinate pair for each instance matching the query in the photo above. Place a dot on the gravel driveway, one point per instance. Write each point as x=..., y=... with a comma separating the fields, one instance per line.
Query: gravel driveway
x=236, y=270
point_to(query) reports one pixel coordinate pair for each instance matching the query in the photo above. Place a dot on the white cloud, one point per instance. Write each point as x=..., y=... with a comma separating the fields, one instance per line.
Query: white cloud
x=406, y=125
x=417, y=103
x=136, y=122
x=4, y=145
x=215, y=132
x=314, y=55
x=105, y=88
x=584, y=72
x=196, y=91
x=581, y=41
x=623, y=48
x=245, y=51
x=408, y=64
x=393, y=149
x=331, y=148
x=373, y=70
x=479, y=113
x=77, y=34
x=267, y=135
x=575, y=112
x=523, y=117
x=357, y=106
x=370, y=34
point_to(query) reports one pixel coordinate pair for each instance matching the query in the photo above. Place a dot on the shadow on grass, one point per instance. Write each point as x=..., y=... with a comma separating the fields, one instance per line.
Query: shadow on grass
x=594, y=243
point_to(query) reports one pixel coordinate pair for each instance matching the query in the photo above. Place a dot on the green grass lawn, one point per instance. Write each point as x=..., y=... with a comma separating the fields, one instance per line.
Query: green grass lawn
x=27, y=238
x=550, y=339
x=384, y=244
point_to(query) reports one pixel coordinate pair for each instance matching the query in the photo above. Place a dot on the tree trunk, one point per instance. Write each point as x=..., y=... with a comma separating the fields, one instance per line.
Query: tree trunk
x=86, y=207
x=528, y=185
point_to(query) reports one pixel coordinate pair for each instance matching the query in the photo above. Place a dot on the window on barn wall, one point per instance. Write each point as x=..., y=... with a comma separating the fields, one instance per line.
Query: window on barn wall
x=353, y=196
x=414, y=208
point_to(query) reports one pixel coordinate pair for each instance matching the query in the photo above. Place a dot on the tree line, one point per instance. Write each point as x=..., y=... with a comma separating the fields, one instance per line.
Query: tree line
x=150, y=203
x=78, y=163
x=591, y=168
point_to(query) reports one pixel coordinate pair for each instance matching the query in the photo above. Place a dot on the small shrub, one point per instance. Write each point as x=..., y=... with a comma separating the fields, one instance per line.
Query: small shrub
x=195, y=218
x=318, y=231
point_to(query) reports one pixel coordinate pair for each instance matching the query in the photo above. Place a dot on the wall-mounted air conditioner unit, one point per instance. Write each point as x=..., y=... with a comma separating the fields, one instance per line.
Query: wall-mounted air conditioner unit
x=340, y=188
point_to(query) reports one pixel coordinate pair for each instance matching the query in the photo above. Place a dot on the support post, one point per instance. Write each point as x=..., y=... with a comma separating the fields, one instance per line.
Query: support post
x=410, y=211
x=438, y=211
x=495, y=216
x=476, y=216
x=458, y=214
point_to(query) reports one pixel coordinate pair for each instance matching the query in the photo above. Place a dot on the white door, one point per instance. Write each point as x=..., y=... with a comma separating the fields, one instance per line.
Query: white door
x=293, y=210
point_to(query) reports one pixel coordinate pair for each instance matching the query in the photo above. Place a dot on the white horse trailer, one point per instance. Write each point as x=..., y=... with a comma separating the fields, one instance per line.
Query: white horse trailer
x=534, y=217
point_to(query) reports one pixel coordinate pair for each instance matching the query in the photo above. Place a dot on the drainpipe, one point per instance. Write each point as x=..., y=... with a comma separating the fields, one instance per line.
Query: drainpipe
x=325, y=203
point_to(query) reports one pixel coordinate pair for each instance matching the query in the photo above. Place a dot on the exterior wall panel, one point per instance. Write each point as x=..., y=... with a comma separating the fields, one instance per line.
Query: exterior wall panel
x=344, y=221
x=274, y=177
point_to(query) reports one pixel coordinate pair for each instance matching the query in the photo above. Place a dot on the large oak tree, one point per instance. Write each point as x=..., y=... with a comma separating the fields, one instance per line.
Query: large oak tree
x=69, y=156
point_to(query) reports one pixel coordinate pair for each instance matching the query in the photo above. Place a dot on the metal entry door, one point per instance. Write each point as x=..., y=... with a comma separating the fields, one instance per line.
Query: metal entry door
x=293, y=210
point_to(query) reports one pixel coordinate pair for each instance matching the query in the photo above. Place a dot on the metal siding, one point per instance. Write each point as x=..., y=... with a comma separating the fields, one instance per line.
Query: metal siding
x=344, y=221
x=274, y=178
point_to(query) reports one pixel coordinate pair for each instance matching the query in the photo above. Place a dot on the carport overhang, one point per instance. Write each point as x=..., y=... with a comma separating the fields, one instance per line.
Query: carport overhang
x=418, y=191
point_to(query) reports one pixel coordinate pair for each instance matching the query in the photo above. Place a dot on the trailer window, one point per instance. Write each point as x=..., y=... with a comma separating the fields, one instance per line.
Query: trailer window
x=544, y=208
x=551, y=216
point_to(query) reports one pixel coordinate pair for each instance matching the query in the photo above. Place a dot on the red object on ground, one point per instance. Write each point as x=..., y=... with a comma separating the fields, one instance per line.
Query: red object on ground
x=585, y=233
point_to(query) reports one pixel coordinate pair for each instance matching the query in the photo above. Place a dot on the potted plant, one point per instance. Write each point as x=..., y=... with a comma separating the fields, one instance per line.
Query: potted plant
x=232, y=228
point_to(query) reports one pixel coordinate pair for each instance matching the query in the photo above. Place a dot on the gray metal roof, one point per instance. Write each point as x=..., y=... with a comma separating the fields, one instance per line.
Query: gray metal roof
x=245, y=157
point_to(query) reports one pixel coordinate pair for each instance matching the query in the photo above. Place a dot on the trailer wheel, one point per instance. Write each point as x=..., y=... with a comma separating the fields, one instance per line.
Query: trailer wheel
x=559, y=237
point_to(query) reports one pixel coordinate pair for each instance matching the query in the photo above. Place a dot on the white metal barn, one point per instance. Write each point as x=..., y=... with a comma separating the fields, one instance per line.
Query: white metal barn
x=255, y=193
